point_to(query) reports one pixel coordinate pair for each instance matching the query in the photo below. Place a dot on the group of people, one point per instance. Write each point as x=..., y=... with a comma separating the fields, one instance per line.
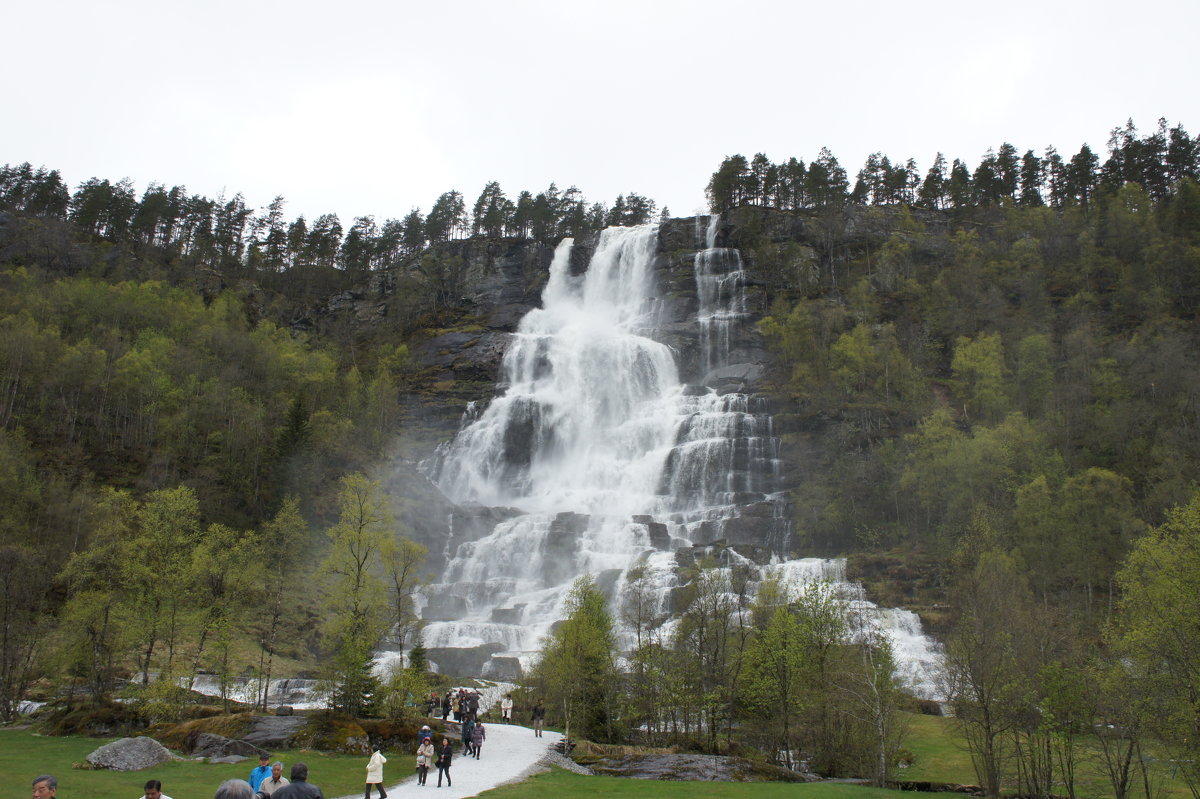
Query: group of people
x=269, y=781
x=463, y=703
x=265, y=780
x=427, y=754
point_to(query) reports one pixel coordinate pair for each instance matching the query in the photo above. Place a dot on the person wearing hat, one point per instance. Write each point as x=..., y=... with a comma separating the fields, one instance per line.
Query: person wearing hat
x=424, y=759
x=260, y=772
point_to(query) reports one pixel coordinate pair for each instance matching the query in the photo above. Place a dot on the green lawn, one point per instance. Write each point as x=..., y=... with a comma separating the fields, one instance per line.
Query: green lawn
x=938, y=756
x=560, y=784
x=24, y=756
x=938, y=752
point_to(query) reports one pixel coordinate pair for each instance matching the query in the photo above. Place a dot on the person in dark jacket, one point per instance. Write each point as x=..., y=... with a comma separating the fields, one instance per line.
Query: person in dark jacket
x=443, y=761
x=477, y=736
x=468, y=733
x=539, y=718
x=299, y=787
x=447, y=700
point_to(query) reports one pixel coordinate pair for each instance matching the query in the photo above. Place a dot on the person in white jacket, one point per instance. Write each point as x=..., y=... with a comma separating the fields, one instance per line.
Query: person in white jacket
x=375, y=774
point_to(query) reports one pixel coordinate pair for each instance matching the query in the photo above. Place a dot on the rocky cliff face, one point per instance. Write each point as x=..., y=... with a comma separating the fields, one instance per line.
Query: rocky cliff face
x=503, y=281
x=493, y=283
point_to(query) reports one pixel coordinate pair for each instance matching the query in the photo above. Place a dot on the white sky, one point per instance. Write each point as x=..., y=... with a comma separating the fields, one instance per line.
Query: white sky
x=370, y=107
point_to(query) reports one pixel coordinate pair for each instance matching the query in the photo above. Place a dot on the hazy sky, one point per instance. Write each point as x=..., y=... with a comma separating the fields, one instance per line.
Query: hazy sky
x=365, y=107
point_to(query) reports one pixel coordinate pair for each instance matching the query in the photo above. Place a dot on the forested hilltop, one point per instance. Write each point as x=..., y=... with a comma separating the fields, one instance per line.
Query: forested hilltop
x=985, y=379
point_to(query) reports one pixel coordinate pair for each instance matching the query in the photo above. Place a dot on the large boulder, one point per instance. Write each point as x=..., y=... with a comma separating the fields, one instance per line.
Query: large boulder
x=130, y=754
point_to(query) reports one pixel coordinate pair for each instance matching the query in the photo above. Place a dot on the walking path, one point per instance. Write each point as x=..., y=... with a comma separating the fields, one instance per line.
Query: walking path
x=510, y=754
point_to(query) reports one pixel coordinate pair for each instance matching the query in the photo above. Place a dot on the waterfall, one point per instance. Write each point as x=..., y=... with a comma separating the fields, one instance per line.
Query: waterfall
x=720, y=277
x=606, y=457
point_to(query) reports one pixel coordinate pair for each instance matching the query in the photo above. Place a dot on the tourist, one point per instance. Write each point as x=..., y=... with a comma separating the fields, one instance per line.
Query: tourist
x=443, y=762
x=44, y=787
x=468, y=731
x=539, y=718
x=299, y=787
x=446, y=701
x=506, y=705
x=473, y=704
x=375, y=774
x=477, y=736
x=153, y=790
x=276, y=781
x=424, y=758
x=234, y=789
x=260, y=772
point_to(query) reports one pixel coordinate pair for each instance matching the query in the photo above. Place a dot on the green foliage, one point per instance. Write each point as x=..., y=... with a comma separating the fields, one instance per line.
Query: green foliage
x=355, y=592
x=577, y=673
x=1156, y=632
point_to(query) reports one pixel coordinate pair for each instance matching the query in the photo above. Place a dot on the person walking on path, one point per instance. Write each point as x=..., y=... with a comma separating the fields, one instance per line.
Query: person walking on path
x=446, y=701
x=539, y=718
x=443, y=761
x=375, y=774
x=506, y=709
x=477, y=736
x=424, y=758
x=468, y=734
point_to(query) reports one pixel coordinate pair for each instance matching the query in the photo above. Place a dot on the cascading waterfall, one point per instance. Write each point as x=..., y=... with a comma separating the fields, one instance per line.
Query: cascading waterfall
x=607, y=457
x=720, y=277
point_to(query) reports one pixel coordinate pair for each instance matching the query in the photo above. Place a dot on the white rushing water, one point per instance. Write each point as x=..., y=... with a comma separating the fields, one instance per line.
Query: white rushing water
x=609, y=459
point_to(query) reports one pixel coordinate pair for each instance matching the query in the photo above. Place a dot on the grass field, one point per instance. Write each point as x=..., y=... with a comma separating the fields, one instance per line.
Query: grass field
x=24, y=756
x=938, y=756
x=559, y=784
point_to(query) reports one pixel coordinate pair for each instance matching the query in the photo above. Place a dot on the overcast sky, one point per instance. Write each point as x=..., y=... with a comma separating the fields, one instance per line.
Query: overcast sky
x=365, y=107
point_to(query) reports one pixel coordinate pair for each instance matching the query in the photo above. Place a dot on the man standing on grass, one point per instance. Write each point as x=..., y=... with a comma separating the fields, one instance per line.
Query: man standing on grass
x=276, y=781
x=260, y=772
x=153, y=790
x=299, y=789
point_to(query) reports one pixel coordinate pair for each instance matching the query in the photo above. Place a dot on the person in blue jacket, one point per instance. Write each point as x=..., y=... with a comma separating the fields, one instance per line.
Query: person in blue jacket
x=261, y=772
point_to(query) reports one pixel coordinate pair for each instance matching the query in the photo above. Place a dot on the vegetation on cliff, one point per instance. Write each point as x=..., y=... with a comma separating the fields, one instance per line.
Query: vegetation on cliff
x=988, y=372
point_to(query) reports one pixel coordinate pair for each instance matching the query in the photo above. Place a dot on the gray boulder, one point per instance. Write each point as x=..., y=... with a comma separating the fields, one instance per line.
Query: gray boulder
x=274, y=732
x=130, y=754
x=213, y=746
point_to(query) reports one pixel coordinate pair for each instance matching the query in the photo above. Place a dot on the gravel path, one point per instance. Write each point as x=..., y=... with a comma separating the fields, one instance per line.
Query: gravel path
x=511, y=753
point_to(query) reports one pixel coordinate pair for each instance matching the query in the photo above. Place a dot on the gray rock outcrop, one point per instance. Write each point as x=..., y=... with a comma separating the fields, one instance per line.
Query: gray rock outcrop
x=274, y=732
x=130, y=754
x=211, y=745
